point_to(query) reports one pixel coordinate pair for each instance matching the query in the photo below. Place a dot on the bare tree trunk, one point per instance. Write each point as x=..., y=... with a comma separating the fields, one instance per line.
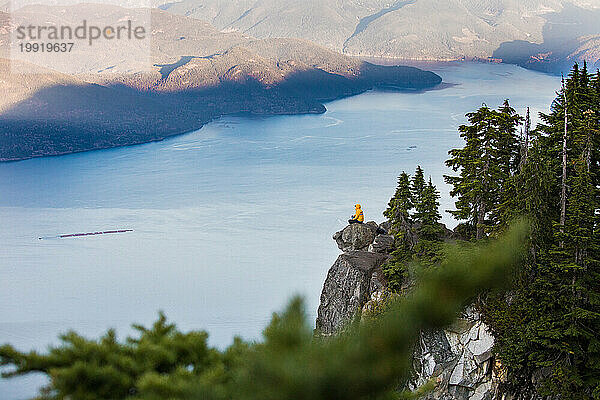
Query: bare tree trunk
x=525, y=144
x=588, y=142
x=563, y=194
x=481, y=207
x=480, y=218
x=588, y=153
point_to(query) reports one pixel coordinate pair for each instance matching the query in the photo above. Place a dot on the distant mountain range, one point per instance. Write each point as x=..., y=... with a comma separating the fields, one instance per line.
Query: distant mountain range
x=214, y=57
x=197, y=73
x=546, y=35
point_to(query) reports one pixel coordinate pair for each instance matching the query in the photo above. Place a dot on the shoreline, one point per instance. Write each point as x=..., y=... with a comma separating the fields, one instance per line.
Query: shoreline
x=318, y=107
x=426, y=63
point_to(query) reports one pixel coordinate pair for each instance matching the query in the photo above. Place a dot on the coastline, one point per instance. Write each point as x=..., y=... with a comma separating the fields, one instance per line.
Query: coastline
x=550, y=69
x=161, y=116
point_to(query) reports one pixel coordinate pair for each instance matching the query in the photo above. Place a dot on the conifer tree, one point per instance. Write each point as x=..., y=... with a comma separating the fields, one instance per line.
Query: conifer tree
x=507, y=142
x=399, y=215
x=486, y=162
x=401, y=203
x=427, y=213
x=414, y=215
x=418, y=185
x=428, y=249
x=550, y=325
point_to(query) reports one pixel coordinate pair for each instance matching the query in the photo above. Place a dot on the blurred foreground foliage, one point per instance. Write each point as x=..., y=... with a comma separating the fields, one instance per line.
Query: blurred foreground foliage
x=370, y=360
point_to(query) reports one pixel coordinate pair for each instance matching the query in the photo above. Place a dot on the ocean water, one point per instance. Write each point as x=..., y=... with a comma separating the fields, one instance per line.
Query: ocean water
x=229, y=221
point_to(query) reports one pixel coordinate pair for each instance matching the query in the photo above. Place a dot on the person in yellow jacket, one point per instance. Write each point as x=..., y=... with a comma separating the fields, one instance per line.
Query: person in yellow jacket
x=358, y=217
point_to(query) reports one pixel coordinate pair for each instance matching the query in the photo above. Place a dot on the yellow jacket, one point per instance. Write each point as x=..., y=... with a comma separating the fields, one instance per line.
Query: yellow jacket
x=359, y=216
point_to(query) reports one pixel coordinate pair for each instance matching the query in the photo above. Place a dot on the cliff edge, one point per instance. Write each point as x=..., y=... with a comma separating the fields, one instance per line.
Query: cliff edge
x=459, y=358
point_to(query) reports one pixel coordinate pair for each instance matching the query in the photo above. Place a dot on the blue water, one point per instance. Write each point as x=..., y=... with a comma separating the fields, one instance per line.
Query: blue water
x=229, y=221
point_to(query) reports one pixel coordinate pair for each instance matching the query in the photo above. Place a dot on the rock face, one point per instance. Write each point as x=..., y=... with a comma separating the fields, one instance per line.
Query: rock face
x=356, y=236
x=347, y=288
x=382, y=244
x=459, y=358
x=354, y=277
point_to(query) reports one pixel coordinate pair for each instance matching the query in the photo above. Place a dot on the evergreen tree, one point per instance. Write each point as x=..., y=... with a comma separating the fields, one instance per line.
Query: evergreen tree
x=160, y=361
x=486, y=162
x=547, y=325
x=401, y=203
x=414, y=215
x=399, y=215
x=427, y=213
x=418, y=185
x=428, y=249
x=526, y=194
x=507, y=145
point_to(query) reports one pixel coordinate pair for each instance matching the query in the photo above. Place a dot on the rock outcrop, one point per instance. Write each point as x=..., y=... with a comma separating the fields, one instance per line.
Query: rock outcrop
x=356, y=236
x=382, y=244
x=354, y=276
x=347, y=288
x=459, y=358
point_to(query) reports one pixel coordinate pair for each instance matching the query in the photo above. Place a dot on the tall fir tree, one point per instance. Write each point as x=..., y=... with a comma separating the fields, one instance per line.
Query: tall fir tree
x=414, y=215
x=486, y=162
x=398, y=213
x=428, y=249
x=418, y=184
x=427, y=214
x=401, y=203
x=508, y=142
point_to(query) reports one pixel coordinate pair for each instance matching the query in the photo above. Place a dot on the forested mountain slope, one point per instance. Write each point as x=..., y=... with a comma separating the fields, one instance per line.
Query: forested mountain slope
x=544, y=34
x=195, y=73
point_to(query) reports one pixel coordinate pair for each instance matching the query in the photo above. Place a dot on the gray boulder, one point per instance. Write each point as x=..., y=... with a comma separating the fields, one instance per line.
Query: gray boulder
x=386, y=226
x=382, y=244
x=356, y=236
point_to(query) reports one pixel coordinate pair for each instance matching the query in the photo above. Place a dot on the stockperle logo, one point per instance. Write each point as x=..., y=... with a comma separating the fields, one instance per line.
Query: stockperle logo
x=76, y=38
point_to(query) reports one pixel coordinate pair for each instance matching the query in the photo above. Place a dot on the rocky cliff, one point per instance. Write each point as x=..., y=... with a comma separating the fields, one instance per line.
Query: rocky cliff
x=355, y=277
x=459, y=358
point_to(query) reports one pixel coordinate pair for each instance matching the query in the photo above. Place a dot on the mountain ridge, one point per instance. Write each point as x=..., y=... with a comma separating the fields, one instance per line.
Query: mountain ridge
x=425, y=30
x=198, y=73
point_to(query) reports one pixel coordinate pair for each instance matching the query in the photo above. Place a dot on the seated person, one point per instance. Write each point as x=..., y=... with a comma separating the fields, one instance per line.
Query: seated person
x=358, y=217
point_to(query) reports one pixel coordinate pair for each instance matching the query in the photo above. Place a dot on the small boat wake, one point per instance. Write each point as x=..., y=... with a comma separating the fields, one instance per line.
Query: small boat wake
x=75, y=235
